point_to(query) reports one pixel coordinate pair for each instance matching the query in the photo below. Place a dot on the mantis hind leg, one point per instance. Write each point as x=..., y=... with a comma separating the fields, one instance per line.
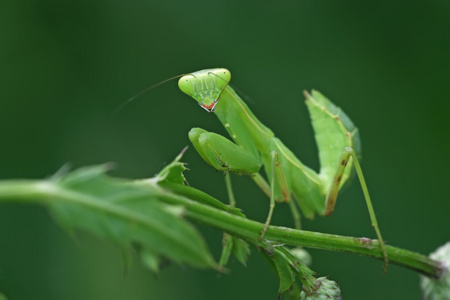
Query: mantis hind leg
x=334, y=189
x=335, y=131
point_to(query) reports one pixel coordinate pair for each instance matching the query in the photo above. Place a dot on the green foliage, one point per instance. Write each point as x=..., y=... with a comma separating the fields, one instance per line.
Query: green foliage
x=236, y=246
x=284, y=271
x=129, y=215
x=151, y=216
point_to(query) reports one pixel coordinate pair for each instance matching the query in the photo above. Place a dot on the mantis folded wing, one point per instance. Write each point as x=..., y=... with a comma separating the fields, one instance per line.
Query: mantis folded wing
x=254, y=145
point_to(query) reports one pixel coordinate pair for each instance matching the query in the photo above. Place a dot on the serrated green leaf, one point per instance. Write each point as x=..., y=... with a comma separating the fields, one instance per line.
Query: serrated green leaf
x=236, y=246
x=241, y=250
x=173, y=173
x=285, y=274
x=127, y=213
x=293, y=293
x=300, y=270
x=227, y=242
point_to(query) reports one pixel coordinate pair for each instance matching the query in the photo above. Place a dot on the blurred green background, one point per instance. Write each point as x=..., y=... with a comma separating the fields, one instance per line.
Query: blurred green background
x=66, y=65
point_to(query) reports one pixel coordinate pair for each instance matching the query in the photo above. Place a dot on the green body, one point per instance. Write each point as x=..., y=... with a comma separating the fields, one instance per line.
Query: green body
x=253, y=143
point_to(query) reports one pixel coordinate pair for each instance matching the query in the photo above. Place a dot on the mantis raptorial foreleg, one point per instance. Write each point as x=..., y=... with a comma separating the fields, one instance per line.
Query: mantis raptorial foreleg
x=254, y=145
x=223, y=154
x=226, y=156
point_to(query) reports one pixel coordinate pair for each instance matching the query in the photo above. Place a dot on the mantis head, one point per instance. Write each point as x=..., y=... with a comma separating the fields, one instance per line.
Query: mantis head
x=205, y=86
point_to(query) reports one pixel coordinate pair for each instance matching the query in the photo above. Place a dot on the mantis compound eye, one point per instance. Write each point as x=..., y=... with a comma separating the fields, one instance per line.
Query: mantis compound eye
x=223, y=76
x=186, y=84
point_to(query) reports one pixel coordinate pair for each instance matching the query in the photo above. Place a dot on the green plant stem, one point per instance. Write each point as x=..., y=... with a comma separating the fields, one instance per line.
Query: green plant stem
x=47, y=191
x=250, y=230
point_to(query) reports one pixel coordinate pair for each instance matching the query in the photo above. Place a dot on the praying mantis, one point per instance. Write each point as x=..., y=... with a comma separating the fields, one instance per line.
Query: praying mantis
x=254, y=146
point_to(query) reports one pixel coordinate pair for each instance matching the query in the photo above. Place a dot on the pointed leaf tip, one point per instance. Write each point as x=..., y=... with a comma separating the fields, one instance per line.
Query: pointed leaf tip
x=173, y=172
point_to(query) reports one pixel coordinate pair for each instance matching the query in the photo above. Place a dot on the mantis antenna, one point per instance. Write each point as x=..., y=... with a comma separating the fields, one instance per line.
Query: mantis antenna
x=145, y=91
